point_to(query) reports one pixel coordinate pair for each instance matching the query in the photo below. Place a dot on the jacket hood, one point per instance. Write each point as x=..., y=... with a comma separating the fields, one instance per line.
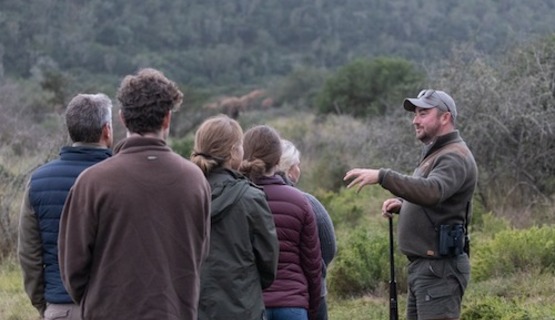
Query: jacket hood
x=227, y=188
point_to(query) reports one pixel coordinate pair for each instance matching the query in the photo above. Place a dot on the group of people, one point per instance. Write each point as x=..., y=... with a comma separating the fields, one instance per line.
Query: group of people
x=144, y=233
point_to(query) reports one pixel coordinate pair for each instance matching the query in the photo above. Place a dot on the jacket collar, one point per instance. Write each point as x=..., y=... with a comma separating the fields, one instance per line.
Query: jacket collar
x=84, y=152
x=275, y=179
x=440, y=142
x=139, y=142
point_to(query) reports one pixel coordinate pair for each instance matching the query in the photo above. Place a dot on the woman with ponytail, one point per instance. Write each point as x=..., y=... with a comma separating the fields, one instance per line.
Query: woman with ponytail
x=295, y=294
x=243, y=244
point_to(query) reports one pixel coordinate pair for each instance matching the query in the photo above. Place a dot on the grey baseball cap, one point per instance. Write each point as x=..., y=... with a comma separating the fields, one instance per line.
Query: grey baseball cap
x=430, y=98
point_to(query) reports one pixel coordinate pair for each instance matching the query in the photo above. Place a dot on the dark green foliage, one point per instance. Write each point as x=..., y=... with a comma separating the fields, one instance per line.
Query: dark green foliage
x=206, y=43
x=367, y=88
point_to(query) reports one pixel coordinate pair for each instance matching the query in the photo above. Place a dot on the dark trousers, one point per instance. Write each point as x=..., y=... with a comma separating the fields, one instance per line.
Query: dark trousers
x=323, y=309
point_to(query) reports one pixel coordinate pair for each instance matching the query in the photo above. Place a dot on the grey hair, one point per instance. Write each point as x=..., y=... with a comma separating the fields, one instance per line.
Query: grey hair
x=290, y=155
x=85, y=116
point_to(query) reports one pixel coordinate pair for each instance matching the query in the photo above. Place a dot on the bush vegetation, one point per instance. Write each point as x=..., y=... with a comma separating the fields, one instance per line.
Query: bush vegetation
x=506, y=115
x=361, y=265
x=515, y=251
x=368, y=88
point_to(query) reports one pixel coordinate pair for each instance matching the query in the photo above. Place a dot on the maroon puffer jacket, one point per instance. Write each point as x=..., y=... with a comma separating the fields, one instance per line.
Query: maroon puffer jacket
x=298, y=278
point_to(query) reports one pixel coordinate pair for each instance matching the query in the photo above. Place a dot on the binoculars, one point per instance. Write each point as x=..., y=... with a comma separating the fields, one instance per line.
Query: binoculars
x=452, y=240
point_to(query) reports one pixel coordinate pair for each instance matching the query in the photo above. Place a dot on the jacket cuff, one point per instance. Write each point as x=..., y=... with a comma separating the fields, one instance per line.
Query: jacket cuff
x=381, y=175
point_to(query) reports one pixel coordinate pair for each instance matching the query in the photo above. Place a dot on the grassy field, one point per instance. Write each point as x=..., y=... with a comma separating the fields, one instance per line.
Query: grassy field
x=14, y=304
x=529, y=296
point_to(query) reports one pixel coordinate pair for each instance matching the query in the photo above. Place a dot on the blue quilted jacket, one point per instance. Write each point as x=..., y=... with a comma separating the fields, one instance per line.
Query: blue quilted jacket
x=49, y=187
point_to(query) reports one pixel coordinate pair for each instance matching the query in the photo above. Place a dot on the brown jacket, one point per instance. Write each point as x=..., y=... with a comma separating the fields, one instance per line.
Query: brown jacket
x=133, y=234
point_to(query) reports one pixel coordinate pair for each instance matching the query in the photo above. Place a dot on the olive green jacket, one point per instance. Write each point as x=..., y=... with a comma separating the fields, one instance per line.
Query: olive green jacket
x=439, y=192
x=244, y=250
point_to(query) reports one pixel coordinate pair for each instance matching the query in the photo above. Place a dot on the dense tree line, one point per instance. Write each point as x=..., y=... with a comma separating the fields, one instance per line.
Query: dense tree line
x=352, y=58
x=209, y=43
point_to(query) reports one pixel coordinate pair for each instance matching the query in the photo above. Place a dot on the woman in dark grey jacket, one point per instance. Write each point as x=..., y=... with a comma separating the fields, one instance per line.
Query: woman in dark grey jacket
x=243, y=243
x=290, y=169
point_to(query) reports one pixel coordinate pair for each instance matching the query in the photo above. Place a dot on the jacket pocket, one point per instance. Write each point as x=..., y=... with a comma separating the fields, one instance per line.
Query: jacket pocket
x=56, y=314
x=437, y=293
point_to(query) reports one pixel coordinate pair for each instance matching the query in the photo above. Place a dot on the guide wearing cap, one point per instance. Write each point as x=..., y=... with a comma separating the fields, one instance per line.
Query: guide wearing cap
x=434, y=205
x=432, y=99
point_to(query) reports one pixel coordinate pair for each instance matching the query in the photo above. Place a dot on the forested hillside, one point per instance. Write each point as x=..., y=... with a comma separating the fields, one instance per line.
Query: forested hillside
x=329, y=75
x=351, y=57
x=236, y=42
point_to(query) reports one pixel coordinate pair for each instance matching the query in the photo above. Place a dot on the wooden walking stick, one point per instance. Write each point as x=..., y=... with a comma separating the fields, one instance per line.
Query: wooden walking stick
x=393, y=311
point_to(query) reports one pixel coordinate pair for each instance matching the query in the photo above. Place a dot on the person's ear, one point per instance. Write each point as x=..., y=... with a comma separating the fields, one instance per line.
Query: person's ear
x=107, y=130
x=121, y=118
x=107, y=137
x=445, y=117
x=167, y=120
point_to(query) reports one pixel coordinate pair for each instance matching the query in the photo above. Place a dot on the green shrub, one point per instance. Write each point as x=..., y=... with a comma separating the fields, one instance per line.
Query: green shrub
x=514, y=250
x=367, y=87
x=357, y=267
x=493, y=307
x=362, y=264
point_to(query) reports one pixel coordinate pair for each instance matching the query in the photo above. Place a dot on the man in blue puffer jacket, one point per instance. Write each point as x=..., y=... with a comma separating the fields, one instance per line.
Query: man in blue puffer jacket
x=89, y=123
